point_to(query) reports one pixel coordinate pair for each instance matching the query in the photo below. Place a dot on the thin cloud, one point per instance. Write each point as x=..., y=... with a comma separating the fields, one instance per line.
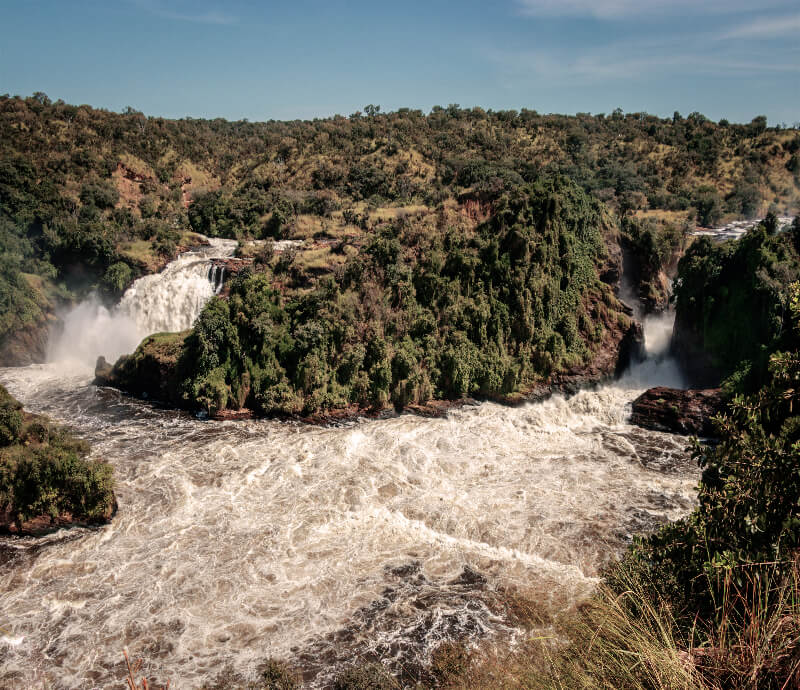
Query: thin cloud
x=214, y=17
x=621, y=9
x=612, y=65
x=773, y=27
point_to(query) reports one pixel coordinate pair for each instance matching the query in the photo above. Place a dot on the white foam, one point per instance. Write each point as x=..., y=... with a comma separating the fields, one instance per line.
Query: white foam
x=169, y=301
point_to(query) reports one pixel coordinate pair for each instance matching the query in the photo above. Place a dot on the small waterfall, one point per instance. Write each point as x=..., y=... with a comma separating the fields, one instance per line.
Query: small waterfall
x=216, y=277
x=169, y=301
x=659, y=368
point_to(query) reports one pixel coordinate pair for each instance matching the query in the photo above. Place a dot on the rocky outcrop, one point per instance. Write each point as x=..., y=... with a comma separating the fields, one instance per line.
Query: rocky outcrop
x=232, y=265
x=677, y=410
x=150, y=372
x=26, y=345
x=45, y=524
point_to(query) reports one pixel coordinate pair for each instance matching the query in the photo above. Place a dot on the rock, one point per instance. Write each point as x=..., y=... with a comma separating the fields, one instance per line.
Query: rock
x=26, y=345
x=677, y=410
x=45, y=524
x=103, y=372
x=151, y=371
x=631, y=348
x=232, y=415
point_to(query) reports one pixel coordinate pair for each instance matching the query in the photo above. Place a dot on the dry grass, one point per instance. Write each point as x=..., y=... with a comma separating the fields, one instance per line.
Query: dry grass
x=136, y=165
x=628, y=641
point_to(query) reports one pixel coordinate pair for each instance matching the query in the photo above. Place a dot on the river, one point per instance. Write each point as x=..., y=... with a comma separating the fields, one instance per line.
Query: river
x=238, y=541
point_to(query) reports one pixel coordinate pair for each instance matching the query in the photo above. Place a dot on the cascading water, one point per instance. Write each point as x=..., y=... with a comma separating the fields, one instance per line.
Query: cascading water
x=216, y=276
x=659, y=369
x=238, y=541
x=167, y=301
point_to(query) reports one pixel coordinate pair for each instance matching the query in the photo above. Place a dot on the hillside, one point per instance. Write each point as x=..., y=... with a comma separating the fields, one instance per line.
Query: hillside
x=91, y=199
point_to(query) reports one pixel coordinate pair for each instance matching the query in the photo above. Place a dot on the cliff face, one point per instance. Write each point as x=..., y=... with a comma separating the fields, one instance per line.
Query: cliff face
x=28, y=344
x=732, y=307
x=700, y=367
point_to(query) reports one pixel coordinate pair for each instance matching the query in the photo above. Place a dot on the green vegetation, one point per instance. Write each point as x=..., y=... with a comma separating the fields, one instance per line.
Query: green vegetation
x=653, y=244
x=91, y=199
x=732, y=302
x=446, y=312
x=44, y=472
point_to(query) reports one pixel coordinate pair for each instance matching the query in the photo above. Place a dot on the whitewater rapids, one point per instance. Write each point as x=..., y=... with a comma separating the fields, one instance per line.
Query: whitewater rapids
x=239, y=541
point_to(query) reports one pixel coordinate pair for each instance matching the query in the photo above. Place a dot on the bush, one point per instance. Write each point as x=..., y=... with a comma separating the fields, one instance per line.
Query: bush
x=117, y=277
x=47, y=472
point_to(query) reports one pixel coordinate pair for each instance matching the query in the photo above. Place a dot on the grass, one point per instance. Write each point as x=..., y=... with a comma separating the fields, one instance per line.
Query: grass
x=629, y=641
x=143, y=253
x=140, y=252
x=134, y=669
x=319, y=260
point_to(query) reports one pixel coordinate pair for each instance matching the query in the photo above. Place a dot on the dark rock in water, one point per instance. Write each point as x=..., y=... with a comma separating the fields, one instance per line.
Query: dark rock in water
x=469, y=577
x=677, y=410
x=103, y=372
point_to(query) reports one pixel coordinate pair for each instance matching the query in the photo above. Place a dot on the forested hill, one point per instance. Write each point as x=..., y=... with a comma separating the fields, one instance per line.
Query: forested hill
x=89, y=199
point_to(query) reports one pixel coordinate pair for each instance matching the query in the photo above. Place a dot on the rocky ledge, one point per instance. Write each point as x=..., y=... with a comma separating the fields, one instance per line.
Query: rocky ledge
x=40, y=525
x=678, y=410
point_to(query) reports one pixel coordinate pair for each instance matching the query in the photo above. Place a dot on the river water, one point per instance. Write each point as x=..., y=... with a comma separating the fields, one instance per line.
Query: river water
x=238, y=541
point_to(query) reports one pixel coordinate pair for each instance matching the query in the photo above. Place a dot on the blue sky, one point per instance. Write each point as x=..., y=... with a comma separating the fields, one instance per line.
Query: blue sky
x=307, y=58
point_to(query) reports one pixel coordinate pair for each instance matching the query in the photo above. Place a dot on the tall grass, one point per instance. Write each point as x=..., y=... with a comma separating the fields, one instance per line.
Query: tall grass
x=632, y=641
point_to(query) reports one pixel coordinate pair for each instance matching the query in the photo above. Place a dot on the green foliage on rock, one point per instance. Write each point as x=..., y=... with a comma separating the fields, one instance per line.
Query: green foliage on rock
x=415, y=315
x=732, y=303
x=45, y=472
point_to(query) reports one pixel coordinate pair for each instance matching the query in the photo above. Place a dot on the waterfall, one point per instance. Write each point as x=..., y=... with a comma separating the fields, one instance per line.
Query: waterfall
x=216, y=276
x=659, y=368
x=169, y=301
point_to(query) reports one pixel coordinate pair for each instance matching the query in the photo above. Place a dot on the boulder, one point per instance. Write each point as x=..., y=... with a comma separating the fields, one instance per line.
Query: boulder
x=150, y=372
x=678, y=410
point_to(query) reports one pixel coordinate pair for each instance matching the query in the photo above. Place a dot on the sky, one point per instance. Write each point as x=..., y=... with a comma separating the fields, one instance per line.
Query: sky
x=275, y=59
